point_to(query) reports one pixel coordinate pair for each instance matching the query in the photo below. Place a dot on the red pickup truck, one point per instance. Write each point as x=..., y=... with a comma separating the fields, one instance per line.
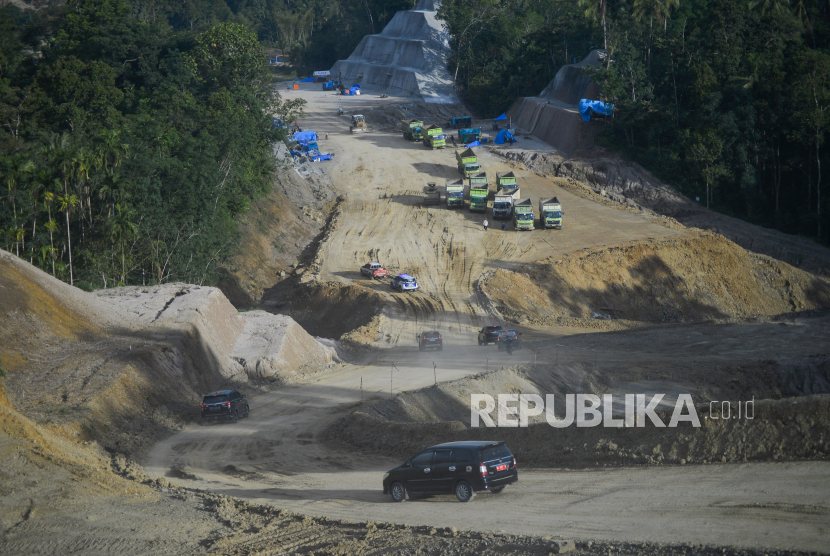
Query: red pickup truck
x=373, y=270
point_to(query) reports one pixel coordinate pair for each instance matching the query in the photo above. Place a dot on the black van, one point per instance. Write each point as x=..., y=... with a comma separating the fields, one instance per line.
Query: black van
x=462, y=468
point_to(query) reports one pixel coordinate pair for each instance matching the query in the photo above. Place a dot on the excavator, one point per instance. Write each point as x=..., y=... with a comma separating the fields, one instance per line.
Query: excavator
x=359, y=124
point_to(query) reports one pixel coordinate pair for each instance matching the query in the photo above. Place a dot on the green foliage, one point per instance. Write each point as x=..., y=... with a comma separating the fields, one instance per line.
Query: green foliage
x=128, y=150
x=728, y=101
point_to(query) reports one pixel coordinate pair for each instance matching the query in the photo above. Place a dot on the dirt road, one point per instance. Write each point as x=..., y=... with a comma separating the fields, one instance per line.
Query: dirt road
x=275, y=456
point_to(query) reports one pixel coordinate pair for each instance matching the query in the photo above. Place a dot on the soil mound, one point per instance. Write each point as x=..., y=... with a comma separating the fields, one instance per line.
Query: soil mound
x=690, y=279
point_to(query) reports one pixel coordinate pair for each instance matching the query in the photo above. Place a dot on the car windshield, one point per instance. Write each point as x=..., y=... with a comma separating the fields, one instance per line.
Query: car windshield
x=455, y=194
x=221, y=398
x=501, y=205
x=553, y=214
x=525, y=217
x=495, y=452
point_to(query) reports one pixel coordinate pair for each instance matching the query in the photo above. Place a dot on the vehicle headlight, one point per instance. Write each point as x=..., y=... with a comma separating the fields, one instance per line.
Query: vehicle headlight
x=385, y=475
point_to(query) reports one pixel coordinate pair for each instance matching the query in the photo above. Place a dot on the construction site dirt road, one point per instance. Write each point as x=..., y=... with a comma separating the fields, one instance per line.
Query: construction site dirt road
x=277, y=456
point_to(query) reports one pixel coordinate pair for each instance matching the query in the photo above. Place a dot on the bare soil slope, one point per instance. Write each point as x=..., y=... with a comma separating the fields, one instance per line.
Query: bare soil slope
x=694, y=278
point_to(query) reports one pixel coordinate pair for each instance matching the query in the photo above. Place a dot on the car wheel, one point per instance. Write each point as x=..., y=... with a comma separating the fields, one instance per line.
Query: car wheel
x=479, y=341
x=398, y=492
x=463, y=491
x=420, y=348
x=497, y=490
x=236, y=416
x=247, y=411
x=440, y=348
x=202, y=422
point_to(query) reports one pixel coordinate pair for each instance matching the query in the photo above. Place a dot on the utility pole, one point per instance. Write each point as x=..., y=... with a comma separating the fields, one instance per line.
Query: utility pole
x=434, y=373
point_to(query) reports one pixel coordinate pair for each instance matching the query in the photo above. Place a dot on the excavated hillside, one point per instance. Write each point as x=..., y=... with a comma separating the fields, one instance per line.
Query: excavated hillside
x=126, y=366
x=703, y=277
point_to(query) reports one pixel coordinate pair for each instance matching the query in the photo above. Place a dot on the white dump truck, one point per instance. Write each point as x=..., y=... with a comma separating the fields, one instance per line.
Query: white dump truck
x=503, y=203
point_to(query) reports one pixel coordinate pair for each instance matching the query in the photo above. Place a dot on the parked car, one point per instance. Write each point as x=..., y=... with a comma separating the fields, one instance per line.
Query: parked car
x=225, y=404
x=373, y=270
x=404, y=283
x=430, y=339
x=509, y=336
x=460, y=468
x=489, y=334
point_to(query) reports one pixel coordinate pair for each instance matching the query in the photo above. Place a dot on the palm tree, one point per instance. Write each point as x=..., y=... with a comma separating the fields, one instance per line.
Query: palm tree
x=52, y=227
x=16, y=167
x=67, y=204
x=654, y=9
x=596, y=10
x=111, y=153
x=773, y=6
x=122, y=229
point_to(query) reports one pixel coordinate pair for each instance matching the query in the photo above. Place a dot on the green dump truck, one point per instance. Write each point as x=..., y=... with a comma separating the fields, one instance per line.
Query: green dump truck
x=478, y=198
x=523, y=214
x=506, y=180
x=455, y=194
x=467, y=162
x=550, y=213
x=469, y=135
x=412, y=129
x=433, y=137
x=503, y=203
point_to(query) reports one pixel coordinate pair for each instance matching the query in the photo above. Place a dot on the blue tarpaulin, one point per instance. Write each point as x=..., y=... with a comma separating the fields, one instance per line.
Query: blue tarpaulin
x=503, y=136
x=307, y=80
x=500, y=118
x=305, y=137
x=585, y=107
x=474, y=144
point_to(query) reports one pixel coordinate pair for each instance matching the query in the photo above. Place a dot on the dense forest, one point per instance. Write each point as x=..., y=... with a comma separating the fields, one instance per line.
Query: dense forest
x=729, y=100
x=128, y=147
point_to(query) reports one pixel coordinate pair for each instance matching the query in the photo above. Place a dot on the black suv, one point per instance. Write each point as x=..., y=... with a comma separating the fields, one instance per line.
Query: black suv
x=488, y=334
x=430, y=339
x=223, y=404
x=509, y=336
x=460, y=468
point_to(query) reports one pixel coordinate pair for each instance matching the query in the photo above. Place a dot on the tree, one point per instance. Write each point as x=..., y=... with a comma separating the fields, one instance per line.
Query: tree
x=705, y=151
x=811, y=93
x=67, y=204
x=596, y=10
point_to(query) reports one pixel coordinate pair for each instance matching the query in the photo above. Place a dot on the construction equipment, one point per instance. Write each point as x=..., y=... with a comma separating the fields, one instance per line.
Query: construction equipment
x=523, y=214
x=469, y=135
x=433, y=137
x=431, y=194
x=359, y=124
x=503, y=203
x=467, y=162
x=461, y=121
x=455, y=194
x=412, y=129
x=506, y=180
x=550, y=213
x=478, y=197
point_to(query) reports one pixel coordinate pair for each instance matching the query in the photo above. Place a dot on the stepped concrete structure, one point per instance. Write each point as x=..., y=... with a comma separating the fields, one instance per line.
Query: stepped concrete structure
x=408, y=58
x=553, y=116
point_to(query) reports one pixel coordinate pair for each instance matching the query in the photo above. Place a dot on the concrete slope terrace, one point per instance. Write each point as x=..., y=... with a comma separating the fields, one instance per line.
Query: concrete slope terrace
x=553, y=116
x=408, y=58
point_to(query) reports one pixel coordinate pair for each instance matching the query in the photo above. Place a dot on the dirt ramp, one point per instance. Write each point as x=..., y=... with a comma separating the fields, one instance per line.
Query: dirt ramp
x=202, y=313
x=276, y=346
x=698, y=278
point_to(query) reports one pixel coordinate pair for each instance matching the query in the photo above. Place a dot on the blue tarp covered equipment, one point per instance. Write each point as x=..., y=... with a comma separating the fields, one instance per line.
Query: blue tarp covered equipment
x=500, y=118
x=474, y=144
x=585, y=107
x=305, y=137
x=322, y=157
x=503, y=136
x=307, y=80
